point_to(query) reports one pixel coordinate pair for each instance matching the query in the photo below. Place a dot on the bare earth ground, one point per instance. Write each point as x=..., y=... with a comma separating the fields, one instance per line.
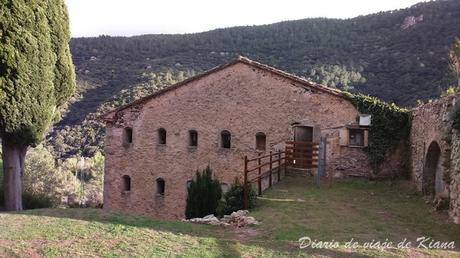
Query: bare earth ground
x=358, y=209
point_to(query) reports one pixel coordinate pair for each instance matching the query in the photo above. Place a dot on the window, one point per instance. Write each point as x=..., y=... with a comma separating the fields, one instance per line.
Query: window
x=126, y=183
x=225, y=139
x=128, y=135
x=356, y=137
x=161, y=136
x=193, y=138
x=261, y=141
x=160, y=186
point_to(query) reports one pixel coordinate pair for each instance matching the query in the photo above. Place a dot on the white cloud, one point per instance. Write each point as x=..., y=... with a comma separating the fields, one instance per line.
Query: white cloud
x=133, y=17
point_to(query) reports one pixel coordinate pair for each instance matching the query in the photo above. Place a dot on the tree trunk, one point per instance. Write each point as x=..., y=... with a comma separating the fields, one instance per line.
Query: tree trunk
x=13, y=169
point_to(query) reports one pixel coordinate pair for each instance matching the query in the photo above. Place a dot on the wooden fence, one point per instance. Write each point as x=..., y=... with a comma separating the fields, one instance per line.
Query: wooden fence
x=298, y=154
x=256, y=169
x=303, y=155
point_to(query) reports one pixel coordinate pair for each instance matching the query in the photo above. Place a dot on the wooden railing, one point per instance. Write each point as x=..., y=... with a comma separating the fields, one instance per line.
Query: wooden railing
x=298, y=154
x=256, y=169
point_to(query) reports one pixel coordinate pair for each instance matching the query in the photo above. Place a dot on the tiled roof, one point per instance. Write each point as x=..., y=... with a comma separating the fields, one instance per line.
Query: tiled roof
x=109, y=116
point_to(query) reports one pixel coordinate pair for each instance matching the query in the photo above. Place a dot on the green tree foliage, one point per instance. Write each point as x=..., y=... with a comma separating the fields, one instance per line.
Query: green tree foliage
x=36, y=74
x=41, y=178
x=36, y=77
x=400, y=65
x=204, y=194
x=336, y=76
x=234, y=199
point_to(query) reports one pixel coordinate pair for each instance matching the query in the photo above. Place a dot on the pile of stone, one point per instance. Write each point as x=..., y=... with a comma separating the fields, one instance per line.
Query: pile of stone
x=237, y=219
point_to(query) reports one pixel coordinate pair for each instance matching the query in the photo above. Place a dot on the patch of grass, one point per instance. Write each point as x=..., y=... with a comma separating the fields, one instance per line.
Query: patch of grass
x=294, y=208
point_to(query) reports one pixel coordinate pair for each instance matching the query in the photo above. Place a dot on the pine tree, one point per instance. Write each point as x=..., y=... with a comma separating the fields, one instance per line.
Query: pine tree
x=36, y=78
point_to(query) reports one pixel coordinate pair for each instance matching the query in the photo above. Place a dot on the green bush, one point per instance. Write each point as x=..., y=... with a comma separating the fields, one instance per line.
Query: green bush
x=203, y=196
x=36, y=201
x=234, y=199
x=32, y=201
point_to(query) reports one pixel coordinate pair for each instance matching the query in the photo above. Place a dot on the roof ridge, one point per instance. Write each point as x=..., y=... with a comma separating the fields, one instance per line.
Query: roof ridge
x=109, y=116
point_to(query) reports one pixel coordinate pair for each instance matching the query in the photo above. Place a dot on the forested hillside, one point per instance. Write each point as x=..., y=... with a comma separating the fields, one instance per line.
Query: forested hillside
x=393, y=55
x=399, y=56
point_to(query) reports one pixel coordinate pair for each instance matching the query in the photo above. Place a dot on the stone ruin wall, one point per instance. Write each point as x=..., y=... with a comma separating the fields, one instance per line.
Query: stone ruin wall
x=431, y=123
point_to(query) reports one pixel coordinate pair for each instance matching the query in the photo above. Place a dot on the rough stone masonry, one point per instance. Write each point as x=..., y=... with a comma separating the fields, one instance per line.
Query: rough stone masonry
x=155, y=145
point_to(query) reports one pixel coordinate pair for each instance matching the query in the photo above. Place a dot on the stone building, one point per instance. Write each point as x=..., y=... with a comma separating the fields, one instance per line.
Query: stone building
x=155, y=145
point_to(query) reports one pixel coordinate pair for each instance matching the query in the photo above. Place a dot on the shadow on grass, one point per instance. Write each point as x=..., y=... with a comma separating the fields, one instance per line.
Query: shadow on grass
x=227, y=239
x=303, y=208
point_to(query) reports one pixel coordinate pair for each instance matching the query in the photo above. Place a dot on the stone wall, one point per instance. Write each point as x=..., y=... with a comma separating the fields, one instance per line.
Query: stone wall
x=241, y=99
x=454, y=210
x=431, y=124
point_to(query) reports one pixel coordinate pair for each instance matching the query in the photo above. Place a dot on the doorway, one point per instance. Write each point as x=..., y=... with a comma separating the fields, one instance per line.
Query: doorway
x=432, y=176
x=303, y=133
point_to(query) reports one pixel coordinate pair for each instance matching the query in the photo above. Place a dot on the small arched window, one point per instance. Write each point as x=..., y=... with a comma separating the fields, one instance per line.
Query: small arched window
x=161, y=136
x=127, y=136
x=225, y=139
x=193, y=138
x=160, y=186
x=261, y=141
x=126, y=183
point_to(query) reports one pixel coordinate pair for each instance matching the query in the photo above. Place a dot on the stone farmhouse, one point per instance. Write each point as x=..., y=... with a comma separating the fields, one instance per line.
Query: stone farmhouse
x=155, y=145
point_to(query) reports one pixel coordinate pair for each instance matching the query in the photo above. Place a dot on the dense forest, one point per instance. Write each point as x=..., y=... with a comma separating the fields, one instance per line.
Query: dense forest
x=400, y=56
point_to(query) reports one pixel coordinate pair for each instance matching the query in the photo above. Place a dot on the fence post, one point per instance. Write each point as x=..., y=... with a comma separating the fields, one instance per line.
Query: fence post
x=285, y=160
x=279, y=165
x=271, y=168
x=259, y=181
x=321, y=160
x=245, y=185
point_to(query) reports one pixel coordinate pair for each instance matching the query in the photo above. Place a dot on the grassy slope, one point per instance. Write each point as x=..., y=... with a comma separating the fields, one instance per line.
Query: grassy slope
x=292, y=209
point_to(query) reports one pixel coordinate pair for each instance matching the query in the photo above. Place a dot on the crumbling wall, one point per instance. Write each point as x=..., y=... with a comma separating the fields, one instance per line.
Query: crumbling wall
x=431, y=123
x=454, y=171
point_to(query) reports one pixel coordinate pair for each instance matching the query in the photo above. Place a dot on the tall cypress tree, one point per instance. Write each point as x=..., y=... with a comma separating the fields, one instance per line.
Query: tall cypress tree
x=36, y=78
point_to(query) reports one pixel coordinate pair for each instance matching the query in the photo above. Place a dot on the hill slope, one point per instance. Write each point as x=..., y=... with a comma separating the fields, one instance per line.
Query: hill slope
x=401, y=58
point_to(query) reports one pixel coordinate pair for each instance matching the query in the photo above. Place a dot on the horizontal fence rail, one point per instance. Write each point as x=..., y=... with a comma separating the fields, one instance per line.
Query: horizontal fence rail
x=300, y=154
x=256, y=169
x=297, y=154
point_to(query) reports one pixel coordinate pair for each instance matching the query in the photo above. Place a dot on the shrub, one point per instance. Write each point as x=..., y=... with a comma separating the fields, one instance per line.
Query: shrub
x=234, y=198
x=203, y=196
x=37, y=201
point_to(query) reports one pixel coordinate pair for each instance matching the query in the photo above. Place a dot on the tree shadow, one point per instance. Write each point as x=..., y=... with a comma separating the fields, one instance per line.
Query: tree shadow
x=225, y=237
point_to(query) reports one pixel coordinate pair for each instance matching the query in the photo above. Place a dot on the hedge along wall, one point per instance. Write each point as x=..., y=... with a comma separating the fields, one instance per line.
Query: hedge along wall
x=390, y=126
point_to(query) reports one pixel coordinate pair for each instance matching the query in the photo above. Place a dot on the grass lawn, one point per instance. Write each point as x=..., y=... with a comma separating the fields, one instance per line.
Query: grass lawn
x=294, y=208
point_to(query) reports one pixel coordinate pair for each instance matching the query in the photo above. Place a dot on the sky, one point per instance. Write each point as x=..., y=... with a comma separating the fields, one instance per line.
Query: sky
x=135, y=17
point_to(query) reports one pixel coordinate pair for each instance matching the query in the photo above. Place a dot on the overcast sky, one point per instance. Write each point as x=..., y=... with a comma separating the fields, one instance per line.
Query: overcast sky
x=134, y=17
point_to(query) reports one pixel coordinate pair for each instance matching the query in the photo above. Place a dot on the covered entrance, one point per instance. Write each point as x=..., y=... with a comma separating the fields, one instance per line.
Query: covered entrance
x=432, y=181
x=302, y=152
